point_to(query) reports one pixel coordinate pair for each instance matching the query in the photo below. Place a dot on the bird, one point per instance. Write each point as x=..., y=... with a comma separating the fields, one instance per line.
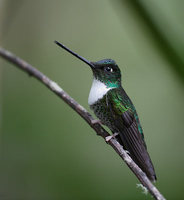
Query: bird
x=114, y=109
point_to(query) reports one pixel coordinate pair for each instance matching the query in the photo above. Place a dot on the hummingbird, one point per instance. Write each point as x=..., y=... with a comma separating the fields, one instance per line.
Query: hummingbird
x=113, y=108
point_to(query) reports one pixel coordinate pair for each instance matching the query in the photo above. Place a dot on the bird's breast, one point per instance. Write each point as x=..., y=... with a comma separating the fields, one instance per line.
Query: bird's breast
x=98, y=90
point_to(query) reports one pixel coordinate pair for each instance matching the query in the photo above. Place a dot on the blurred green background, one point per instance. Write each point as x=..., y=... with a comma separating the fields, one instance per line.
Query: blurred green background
x=47, y=150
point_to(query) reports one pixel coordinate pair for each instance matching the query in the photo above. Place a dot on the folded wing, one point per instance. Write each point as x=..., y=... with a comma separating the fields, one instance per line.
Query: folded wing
x=130, y=137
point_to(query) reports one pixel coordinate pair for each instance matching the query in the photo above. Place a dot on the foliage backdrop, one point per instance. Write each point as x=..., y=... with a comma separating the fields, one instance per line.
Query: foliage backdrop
x=47, y=150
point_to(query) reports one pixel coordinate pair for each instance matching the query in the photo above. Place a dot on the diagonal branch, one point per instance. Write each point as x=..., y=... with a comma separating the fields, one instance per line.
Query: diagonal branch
x=54, y=87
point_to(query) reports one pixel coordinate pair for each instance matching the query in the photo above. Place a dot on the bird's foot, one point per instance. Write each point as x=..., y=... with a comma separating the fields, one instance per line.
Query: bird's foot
x=96, y=121
x=127, y=152
x=108, y=138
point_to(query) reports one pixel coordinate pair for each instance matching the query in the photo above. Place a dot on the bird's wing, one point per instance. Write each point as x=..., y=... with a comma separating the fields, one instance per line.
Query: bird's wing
x=118, y=108
x=129, y=135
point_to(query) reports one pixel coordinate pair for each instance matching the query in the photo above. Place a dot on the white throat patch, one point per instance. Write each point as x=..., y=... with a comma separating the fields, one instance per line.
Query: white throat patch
x=98, y=90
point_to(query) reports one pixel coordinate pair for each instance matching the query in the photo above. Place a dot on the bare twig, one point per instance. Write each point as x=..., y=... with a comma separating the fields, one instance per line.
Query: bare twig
x=86, y=116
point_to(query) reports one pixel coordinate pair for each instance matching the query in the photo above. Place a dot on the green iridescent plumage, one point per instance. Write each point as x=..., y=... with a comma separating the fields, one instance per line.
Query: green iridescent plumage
x=116, y=110
x=111, y=79
x=122, y=103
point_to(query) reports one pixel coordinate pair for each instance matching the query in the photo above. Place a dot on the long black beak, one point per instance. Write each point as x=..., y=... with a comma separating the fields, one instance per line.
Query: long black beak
x=76, y=55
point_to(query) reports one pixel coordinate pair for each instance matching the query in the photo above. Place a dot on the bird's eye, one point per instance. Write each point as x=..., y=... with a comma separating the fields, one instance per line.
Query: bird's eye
x=108, y=69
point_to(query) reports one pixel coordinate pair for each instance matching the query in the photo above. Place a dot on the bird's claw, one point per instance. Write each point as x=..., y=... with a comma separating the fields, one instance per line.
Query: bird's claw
x=127, y=152
x=108, y=138
x=96, y=121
